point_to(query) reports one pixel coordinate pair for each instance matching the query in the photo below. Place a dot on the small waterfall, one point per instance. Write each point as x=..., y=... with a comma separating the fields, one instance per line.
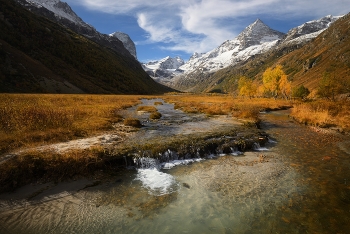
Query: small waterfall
x=235, y=151
x=257, y=147
x=156, y=182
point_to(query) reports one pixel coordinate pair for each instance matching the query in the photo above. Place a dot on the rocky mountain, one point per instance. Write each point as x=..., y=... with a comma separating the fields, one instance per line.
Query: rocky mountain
x=308, y=30
x=254, y=40
x=38, y=55
x=127, y=42
x=62, y=13
x=306, y=64
x=165, y=69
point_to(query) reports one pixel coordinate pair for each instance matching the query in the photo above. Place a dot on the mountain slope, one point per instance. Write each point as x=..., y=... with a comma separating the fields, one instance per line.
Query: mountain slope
x=62, y=13
x=328, y=53
x=37, y=55
x=256, y=41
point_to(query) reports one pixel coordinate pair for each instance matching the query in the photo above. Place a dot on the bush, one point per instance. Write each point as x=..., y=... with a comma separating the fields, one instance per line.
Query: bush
x=155, y=115
x=300, y=92
x=132, y=122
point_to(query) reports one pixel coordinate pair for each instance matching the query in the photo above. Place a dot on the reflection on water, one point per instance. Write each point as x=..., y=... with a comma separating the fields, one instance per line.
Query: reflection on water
x=301, y=185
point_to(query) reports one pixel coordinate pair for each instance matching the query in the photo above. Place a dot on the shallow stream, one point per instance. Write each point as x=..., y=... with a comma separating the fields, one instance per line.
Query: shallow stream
x=300, y=185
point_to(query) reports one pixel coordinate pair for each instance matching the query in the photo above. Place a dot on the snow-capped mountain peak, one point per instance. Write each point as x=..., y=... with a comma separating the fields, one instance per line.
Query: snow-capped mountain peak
x=309, y=30
x=165, y=69
x=257, y=33
x=254, y=39
x=166, y=63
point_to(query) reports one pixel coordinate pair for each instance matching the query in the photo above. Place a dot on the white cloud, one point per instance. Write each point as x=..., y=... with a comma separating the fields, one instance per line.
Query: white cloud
x=201, y=25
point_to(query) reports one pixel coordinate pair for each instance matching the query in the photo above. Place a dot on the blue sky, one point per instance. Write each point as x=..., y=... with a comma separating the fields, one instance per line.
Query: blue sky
x=163, y=28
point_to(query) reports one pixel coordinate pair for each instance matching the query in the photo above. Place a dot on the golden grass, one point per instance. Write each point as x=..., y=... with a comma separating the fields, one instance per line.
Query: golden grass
x=225, y=104
x=323, y=113
x=155, y=115
x=27, y=119
x=134, y=122
x=147, y=109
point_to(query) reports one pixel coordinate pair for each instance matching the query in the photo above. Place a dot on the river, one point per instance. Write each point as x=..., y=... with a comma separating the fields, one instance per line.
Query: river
x=299, y=183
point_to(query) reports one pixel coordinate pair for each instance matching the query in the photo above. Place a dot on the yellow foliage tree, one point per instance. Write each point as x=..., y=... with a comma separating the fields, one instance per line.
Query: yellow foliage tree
x=275, y=82
x=246, y=87
x=285, y=87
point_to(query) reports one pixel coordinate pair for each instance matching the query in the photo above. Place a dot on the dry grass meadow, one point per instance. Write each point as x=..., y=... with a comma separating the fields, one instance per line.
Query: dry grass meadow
x=32, y=119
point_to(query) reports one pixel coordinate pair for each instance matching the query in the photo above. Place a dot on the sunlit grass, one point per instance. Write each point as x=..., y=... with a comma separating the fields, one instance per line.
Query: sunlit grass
x=27, y=119
x=225, y=104
x=323, y=113
x=147, y=109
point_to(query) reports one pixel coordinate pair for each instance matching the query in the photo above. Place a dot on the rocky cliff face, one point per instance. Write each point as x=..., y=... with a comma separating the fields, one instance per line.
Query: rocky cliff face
x=127, y=42
x=62, y=13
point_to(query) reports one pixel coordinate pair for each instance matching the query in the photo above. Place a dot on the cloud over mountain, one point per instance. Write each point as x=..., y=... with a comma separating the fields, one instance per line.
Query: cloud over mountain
x=200, y=25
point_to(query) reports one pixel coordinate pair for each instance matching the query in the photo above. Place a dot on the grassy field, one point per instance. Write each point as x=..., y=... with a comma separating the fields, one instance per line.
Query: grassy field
x=224, y=104
x=29, y=120
x=32, y=119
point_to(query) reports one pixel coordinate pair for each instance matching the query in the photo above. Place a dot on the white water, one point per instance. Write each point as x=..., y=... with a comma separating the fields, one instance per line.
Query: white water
x=156, y=182
x=159, y=183
x=257, y=147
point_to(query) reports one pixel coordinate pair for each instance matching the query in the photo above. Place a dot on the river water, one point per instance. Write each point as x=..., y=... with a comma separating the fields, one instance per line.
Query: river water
x=299, y=185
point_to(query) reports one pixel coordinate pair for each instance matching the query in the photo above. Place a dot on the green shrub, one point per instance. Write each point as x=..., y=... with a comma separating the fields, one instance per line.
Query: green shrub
x=300, y=91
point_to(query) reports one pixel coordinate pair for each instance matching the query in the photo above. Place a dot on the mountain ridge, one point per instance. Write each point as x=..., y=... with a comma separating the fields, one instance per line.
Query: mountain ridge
x=38, y=55
x=63, y=14
x=305, y=64
x=255, y=39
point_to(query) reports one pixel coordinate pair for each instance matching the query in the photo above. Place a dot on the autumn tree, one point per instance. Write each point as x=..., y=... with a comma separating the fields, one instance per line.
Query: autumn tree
x=276, y=83
x=285, y=87
x=246, y=87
